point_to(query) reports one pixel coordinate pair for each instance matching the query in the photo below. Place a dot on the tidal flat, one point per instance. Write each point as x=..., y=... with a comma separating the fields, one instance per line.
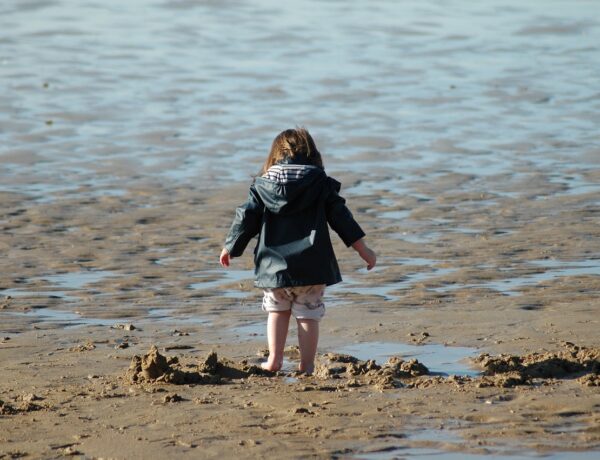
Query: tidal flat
x=465, y=137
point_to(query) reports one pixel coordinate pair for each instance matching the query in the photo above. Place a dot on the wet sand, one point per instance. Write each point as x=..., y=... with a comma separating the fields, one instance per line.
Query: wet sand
x=466, y=147
x=84, y=265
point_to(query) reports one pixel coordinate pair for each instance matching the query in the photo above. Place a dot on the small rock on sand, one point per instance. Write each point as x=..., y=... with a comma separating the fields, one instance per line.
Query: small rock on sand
x=301, y=410
x=171, y=398
x=125, y=327
x=30, y=398
x=87, y=346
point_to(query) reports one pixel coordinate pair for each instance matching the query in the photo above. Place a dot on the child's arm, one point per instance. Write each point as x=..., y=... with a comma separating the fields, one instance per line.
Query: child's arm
x=339, y=217
x=342, y=222
x=365, y=252
x=245, y=226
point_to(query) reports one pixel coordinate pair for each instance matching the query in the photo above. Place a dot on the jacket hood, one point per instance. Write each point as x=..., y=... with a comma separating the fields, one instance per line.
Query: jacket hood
x=285, y=190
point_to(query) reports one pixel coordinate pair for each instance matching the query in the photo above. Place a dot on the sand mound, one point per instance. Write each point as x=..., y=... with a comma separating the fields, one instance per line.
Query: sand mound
x=23, y=403
x=503, y=371
x=590, y=380
x=499, y=371
x=357, y=372
x=511, y=370
x=156, y=368
x=7, y=409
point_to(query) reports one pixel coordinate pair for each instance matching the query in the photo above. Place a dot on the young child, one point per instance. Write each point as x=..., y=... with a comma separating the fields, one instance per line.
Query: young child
x=289, y=207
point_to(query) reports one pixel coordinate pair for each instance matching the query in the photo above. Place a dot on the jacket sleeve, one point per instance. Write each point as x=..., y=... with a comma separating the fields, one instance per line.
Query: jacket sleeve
x=246, y=224
x=339, y=217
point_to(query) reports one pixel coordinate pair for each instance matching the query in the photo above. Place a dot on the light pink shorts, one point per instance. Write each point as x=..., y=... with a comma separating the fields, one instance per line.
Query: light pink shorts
x=306, y=302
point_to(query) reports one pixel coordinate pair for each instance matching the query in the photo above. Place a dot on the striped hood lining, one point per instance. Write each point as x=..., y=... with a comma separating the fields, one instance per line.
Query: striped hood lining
x=286, y=173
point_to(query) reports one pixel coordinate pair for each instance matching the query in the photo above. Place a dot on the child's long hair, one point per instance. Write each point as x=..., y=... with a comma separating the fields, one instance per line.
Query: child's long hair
x=293, y=145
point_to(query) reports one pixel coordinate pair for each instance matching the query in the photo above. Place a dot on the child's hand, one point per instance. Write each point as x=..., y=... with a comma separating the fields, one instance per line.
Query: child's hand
x=369, y=256
x=224, y=258
x=365, y=253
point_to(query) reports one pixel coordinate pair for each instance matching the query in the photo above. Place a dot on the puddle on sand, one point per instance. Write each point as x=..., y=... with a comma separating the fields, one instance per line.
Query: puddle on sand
x=416, y=237
x=15, y=292
x=401, y=214
x=234, y=294
x=575, y=184
x=436, y=441
x=436, y=435
x=439, y=359
x=290, y=365
x=47, y=192
x=568, y=428
x=505, y=454
x=465, y=230
x=428, y=236
x=77, y=280
x=168, y=315
x=70, y=319
x=165, y=260
x=63, y=318
x=417, y=261
x=386, y=289
x=73, y=281
x=258, y=330
x=556, y=269
x=217, y=278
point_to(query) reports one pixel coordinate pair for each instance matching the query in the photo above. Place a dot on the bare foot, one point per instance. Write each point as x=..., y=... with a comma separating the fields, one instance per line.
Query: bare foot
x=308, y=370
x=271, y=366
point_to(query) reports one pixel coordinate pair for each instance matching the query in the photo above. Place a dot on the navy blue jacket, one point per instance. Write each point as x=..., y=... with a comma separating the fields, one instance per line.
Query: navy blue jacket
x=290, y=219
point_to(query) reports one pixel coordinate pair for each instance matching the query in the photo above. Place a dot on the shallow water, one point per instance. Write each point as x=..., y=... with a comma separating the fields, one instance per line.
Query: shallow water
x=416, y=237
x=61, y=284
x=95, y=95
x=439, y=359
x=447, y=446
x=410, y=279
x=394, y=214
x=554, y=269
x=64, y=318
x=77, y=280
x=168, y=315
x=217, y=278
x=252, y=330
x=574, y=184
x=433, y=453
x=421, y=107
x=70, y=319
x=432, y=434
x=35, y=294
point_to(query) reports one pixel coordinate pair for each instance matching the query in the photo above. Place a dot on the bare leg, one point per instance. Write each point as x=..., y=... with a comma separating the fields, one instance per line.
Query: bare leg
x=277, y=329
x=308, y=338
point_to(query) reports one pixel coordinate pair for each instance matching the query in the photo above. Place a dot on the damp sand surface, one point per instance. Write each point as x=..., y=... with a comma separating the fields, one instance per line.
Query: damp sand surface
x=464, y=137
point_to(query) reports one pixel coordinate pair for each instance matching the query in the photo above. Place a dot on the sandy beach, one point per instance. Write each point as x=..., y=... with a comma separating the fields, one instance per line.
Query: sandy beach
x=465, y=139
